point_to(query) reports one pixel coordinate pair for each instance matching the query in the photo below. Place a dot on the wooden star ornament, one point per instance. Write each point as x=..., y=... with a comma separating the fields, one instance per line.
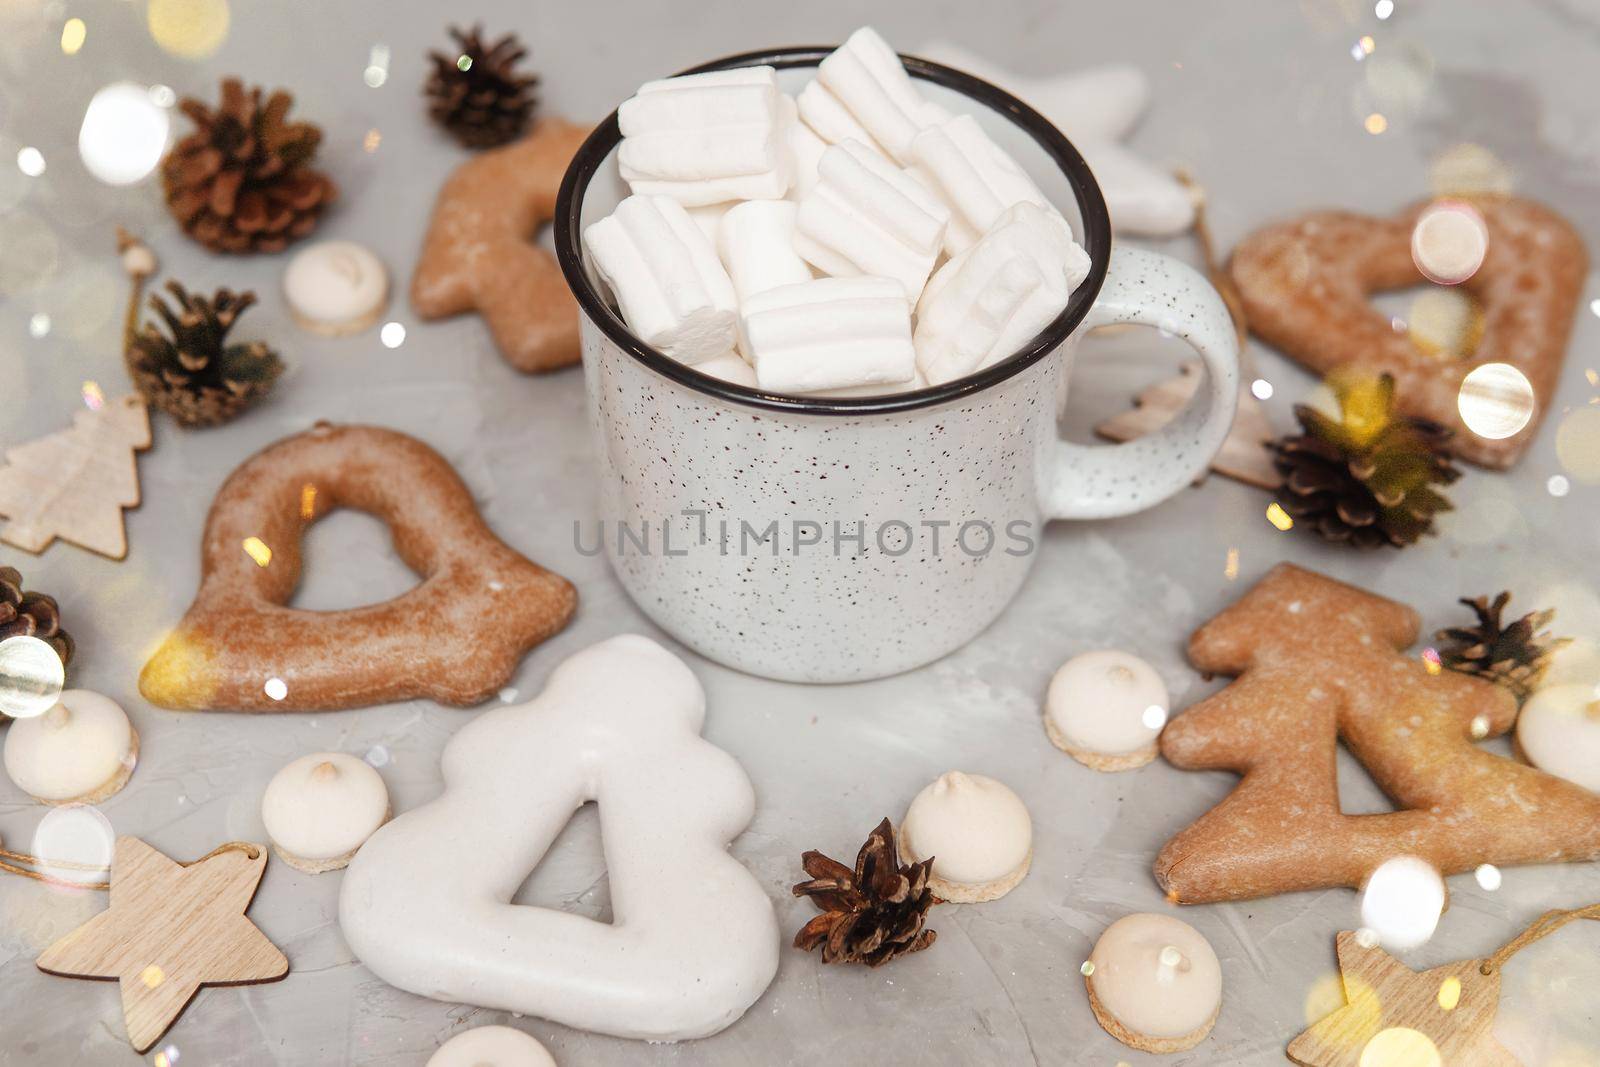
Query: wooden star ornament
x=171, y=928
x=1396, y=1015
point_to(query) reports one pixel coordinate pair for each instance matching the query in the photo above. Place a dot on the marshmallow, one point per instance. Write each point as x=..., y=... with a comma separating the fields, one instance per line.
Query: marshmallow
x=805, y=150
x=863, y=80
x=986, y=303
x=756, y=242
x=973, y=175
x=730, y=367
x=669, y=285
x=831, y=333
x=707, y=217
x=706, y=138
x=867, y=216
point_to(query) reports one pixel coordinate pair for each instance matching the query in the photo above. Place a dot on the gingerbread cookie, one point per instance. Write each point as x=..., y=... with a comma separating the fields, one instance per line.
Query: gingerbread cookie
x=479, y=254
x=1318, y=660
x=455, y=638
x=1305, y=286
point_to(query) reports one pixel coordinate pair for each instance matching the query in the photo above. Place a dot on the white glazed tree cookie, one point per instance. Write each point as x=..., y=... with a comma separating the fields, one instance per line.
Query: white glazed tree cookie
x=694, y=939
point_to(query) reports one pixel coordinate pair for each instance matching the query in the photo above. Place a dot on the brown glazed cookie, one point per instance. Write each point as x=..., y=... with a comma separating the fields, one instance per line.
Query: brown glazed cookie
x=1318, y=660
x=455, y=638
x=479, y=254
x=1305, y=285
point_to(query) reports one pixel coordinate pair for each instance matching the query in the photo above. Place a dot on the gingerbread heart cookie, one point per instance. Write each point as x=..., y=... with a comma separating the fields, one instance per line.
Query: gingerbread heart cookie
x=1305, y=286
x=479, y=253
x=1316, y=661
x=455, y=638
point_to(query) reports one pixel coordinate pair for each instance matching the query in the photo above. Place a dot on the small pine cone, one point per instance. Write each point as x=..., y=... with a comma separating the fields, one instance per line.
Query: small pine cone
x=1515, y=655
x=242, y=181
x=476, y=93
x=190, y=371
x=29, y=614
x=872, y=914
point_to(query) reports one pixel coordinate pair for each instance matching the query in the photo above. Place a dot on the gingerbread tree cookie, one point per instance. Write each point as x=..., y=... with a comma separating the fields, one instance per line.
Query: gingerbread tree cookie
x=1318, y=660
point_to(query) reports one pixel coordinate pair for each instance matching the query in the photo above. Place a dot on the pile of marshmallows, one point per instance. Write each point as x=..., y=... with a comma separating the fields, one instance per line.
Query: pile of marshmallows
x=744, y=195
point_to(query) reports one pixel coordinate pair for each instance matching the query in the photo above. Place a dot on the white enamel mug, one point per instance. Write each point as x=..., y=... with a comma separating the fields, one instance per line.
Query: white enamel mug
x=837, y=539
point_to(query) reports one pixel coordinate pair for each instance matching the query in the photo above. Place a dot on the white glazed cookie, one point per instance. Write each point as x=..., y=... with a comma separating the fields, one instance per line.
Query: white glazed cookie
x=1559, y=733
x=320, y=808
x=978, y=833
x=81, y=751
x=335, y=288
x=1106, y=709
x=491, y=1046
x=1154, y=983
x=426, y=904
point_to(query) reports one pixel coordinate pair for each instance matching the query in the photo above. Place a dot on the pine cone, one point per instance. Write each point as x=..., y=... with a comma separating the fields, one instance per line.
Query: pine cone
x=242, y=181
x=30, y=614
x=1366, y=478
x=871, y=914
x=1515, y=656
x=476, y=94
x=190, y=372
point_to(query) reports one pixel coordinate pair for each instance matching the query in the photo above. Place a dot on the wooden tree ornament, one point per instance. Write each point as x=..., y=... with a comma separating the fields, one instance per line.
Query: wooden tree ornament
x=171, y=928
x=1317, y=660
x=74, y=484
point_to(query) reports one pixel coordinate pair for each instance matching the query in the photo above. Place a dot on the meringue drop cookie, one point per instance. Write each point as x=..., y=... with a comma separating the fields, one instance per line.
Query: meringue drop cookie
x=1559, y=733
x=1154, y=983
x=491, y=1046
x=320, y=808
x=1106, y=709
x=978, y=833
x=81, y=751
x=426, y=903
x=336, y=288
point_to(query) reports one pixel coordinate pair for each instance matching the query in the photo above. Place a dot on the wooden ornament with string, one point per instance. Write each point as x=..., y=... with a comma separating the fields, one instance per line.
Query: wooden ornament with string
x=170, y=928
x=1442, y=1015
x=1243, y=455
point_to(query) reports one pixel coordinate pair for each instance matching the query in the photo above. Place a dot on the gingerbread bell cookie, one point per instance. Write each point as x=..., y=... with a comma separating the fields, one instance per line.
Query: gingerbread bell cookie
x=1317, y=660
x=1305, y=285
x=479, y=253
x=455, y=638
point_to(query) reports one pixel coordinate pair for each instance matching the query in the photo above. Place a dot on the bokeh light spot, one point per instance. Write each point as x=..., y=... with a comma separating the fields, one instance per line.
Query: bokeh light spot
x=72, y=837
x=276, y=688
x=1400, y=1046
x=1449, y=241
x=1376, y=123
x=1261, y=389
x=1488, y=876
x=30, y=161
x=192, y=29
x=1495, y=401
x=1578, y=445
x=124, y=133
x=73, y=34
x=1450, y=993
x=1278, y=517
x=38, y=325
x=257, y=550
x=393, y=335
x=1402, y=901
x=1557, y=485
x=31, y=677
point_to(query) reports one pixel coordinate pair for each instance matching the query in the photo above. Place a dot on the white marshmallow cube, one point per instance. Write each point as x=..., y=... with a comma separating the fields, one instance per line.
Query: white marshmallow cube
x=831, y=333
x=867, y=216
x=756, y=242
x=730, y=367
x=973, y=175
x=707, y=138
x=669, y=285
x=866, y=79
x=986, y=303
x=805, y=151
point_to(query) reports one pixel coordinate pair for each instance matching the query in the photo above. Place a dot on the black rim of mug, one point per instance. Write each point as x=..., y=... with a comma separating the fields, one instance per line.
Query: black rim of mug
x=597, y=148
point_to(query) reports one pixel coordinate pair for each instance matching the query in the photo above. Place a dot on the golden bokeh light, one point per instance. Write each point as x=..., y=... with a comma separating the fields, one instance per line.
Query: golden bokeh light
x=73, y=34
x=1278, y=517
x=124, y=133
x=1450, y=993
x=1466, y=169
x=257, y=550
x=1376, y=123
x=1495, y=401
x=1401, y=1046
x=1578, y=445
x=1445, y=323
x=190, y=29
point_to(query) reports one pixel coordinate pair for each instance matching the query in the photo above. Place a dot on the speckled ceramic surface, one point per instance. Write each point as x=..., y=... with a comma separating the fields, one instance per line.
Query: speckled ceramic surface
x=839, y=546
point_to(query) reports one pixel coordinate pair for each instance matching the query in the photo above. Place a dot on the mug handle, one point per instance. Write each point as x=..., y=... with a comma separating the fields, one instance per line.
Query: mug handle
x=1098, y=482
